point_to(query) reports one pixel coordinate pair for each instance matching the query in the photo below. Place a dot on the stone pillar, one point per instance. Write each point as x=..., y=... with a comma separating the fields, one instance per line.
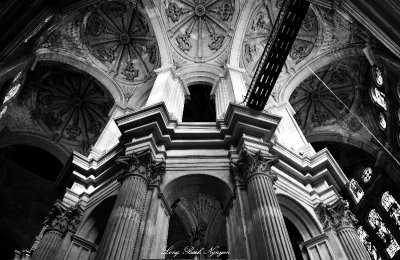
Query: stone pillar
x=238, y=85
x=122, y=235
x=272, y=239
x=60, y=220
x=340, y=219
x=168, y=88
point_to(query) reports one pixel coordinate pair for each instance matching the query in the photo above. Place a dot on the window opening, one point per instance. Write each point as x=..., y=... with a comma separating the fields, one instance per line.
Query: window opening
x=366, y=174
x=356, y=190
x=391, y=206
x=383, y=233
x=200, y=107
x=373, y=253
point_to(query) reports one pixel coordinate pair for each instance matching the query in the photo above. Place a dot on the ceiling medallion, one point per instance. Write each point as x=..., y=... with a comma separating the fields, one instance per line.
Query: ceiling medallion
x=199, y=29
x=120, y=36
x=315, y=105
x=260, y=27
x=71, y=106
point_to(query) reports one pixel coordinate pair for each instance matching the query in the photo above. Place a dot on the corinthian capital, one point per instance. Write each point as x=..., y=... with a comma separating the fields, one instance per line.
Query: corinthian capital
x=142, y=164
x=335, y=217
x=63, y=218
x=250, y=164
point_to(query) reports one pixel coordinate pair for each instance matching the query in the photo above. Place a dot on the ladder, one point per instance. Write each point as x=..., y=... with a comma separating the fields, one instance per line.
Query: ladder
x=279, y=43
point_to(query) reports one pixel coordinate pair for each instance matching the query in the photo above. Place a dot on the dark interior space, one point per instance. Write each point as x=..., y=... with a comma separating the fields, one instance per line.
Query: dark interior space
x=27, y=157
x=347, y=156
x=295, y=238
x=7, y=246
x=200, y=108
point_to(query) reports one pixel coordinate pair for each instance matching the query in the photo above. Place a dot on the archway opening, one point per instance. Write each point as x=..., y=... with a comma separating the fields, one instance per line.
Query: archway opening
x=295, y=238
x=200, y=107
x=197, y=222
x=94, y=226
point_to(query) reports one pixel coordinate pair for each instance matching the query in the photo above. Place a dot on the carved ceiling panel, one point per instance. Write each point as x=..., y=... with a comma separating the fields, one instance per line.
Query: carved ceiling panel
x=316, y=105
x=70, y=106
x=119, y=34
x=202, y=207
x=200, y=29
x=260, y=26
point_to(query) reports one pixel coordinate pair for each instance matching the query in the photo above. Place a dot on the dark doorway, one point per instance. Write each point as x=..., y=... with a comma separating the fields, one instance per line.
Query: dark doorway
x=295, y=238
x=200, y=108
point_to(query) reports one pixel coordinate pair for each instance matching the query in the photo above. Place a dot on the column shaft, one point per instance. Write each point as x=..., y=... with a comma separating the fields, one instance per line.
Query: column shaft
x=48, y=245
x=352, y=245
x=272, y=237
x=122, y=232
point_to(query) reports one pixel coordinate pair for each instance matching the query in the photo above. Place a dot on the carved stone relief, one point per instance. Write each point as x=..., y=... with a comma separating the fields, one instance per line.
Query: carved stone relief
x=143, y=165
x=120, y=36
x=314, y=103
x=198, y=29
x=335, y=217
x=70, y=106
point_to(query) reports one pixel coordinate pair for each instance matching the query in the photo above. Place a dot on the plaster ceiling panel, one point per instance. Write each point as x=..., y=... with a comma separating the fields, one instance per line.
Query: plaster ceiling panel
x=316, y=105
x=199, y=30
x=119, y=35
x=70, y=106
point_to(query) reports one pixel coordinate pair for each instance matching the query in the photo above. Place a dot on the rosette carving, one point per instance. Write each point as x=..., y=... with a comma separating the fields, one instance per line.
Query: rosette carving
x=315, y=105
x=199, y=28
x=71, y=106
x=118, y=33
x=250, y=164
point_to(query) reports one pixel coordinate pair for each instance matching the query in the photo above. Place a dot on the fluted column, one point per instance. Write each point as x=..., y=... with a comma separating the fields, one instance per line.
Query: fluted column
x=340, y=219
x=122, y=237
x=272, y=239
x=60, y=220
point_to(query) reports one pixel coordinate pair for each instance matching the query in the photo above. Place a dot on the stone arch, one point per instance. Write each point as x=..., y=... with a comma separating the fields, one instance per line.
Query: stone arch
x=363, y=144
x=198, y=201
x=96, y=220
x=239, y=34
x=205, y=73
x=304, y=221
x=157, y=22
x=303, y=72
x=111, y=85
x=204, y=183
x=36, y=140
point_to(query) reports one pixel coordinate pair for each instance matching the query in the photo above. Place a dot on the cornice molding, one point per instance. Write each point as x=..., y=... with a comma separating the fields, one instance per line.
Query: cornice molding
x=167, y=132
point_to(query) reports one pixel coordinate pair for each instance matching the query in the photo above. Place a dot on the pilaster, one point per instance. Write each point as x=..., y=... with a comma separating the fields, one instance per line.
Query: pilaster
x=168, y=88
x=238, y=85
x=289, y=132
